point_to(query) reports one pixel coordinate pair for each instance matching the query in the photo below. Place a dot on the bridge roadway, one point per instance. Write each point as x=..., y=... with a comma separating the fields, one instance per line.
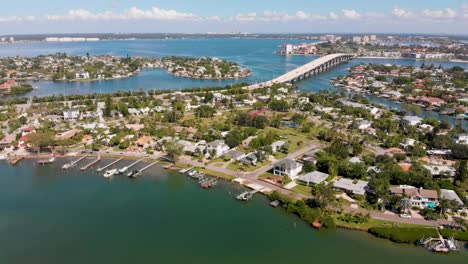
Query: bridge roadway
x=319, y=65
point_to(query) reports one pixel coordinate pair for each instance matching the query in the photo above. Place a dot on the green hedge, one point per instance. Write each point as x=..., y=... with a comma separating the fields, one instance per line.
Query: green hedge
x=403, y=234
x=458, y=235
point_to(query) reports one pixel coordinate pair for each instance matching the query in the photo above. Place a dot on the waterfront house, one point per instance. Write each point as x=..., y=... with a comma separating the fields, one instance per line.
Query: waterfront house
x=71, y=114
x=218, y=147
x=410, y=121
x=315, y=177
x=354, y=186
x=234, y=154
x=7, y=141
x=67, y=134
x=287, y=167
x=250, y=159
x=419, y=197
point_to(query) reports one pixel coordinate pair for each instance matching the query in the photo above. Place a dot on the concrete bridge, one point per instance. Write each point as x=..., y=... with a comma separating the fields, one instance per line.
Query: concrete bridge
x=314, y=67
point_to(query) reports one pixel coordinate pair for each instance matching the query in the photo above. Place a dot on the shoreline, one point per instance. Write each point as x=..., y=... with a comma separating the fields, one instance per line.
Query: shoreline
x=404, y=58
x=178, y=166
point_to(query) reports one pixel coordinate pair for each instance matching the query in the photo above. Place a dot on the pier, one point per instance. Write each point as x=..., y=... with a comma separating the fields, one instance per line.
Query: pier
x=124, y=169
x=208, y=183
x=73, y=163
x=145, y=168
x=245, y=196
x=108, y=165
x=16, y=160
x=91, y=164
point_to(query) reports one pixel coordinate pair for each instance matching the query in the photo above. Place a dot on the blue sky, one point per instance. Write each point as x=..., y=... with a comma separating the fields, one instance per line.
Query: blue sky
x=199, y=16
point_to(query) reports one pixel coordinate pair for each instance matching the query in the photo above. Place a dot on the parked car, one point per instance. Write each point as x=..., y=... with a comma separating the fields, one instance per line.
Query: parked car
x=405, y=216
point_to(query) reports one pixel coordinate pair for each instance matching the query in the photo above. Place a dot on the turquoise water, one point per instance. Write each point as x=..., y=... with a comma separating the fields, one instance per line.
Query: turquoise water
x=51, y=216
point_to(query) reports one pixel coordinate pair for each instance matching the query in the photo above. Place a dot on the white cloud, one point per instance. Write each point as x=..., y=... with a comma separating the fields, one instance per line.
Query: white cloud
x=445, y=13
x=350, y=14
x=246, y=17
x=333, y=16
x=133, y=13
x=401, y=13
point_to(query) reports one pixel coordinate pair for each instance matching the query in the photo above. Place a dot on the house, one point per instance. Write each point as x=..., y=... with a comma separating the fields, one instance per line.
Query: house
x=410, y=121
x=250, y=159
x=218, y=147
x=441, y=171
x=71, y=114
x=7, y=141
x=134, y=127
x=354, y=186
x=67, y=134
x=355, y=160
x=277, y=145
x=461, y=139
x=315, y=177
x=364, y=124
x=419, y=197
x=234, y=154
x=287, y=167
x=144, y=141
x=452, y=196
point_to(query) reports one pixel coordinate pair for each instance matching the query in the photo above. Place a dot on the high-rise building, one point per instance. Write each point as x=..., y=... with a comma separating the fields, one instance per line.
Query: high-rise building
x=365, y=39
x=373, y=37
x=357, y=39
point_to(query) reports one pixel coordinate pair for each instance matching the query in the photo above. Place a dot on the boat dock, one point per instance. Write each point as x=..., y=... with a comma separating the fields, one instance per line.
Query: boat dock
x=90, y=164
x=145, y=168
x=245, y=196
x=124, y=169
x=108, y=165
x=440, y=244
x=73, y=163
x=208, y=183
x=16, y=160
x=186, y=170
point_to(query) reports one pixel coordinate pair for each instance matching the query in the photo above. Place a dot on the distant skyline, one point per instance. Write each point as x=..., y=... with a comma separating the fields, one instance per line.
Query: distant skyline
x=261, y=16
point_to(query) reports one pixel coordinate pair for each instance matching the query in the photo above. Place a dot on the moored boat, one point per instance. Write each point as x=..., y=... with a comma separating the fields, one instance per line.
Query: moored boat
x=110, y=173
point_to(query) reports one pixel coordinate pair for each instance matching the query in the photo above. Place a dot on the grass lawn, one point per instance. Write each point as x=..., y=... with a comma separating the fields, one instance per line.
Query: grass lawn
x=302, y=189
x=217, y=174
x=237, y=166
x=374, y=223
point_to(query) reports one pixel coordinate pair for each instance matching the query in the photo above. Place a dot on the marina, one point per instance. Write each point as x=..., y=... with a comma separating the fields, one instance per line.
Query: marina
x=108, y=165
x=145, y=168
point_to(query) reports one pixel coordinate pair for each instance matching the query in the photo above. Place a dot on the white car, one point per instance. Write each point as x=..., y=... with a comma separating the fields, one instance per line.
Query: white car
x=405, y=216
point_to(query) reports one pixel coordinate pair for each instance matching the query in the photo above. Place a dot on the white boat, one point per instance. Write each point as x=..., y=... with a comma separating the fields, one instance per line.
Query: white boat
x=122, y=170
x=2, y=157
x=110, y=173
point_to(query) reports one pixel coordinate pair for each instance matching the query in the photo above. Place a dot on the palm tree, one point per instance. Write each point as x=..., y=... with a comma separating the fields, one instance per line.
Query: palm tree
x=405, y=204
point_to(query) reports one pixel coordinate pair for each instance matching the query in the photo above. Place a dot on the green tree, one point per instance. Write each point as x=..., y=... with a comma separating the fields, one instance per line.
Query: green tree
x=173, y=150
x=108, y=107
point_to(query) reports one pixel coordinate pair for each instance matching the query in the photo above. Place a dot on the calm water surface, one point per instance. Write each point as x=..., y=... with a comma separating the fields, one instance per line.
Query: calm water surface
x=51, y=216
x=258, y=54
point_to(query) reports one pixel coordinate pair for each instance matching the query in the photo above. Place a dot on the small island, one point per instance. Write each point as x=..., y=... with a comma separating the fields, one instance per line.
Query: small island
x=64, y=67
x=203, y=68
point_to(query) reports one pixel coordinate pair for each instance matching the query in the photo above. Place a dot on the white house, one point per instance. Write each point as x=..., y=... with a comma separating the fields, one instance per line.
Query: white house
x=71, y=114
x=288, y=167
x=461, y=139
x=410, y=121
x=218, y=147
x=277, y=145
x=315, y=177
x=419, y=197
x=354, y=186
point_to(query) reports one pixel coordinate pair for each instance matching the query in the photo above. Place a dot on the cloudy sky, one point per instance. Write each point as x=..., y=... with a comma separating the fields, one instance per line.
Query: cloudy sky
x=223, y=16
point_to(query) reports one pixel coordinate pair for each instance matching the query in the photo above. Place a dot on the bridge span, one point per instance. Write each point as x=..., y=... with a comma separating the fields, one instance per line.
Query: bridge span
x=314, y=67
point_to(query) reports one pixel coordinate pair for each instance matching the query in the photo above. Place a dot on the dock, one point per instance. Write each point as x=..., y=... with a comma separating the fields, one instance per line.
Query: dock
x=124, y=169
x=186, y=170
x=90, y=164
x=108, y=165
x=145, y=168
x=73, y=163
x=208, y=183
x=245, y=196
x=16, y=160
x=168, y=166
